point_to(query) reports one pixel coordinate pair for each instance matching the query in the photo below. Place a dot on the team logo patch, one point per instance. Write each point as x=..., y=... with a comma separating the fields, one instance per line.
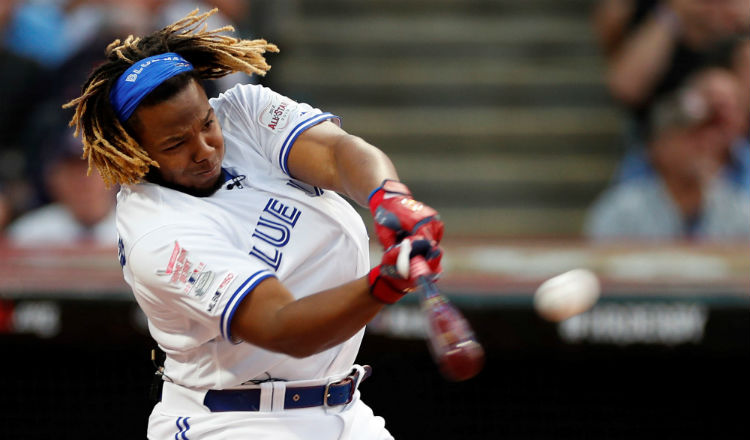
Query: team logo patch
x=275, y=116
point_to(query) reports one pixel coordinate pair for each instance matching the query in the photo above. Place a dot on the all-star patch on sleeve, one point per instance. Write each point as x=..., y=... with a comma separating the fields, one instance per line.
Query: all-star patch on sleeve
x=269, y=123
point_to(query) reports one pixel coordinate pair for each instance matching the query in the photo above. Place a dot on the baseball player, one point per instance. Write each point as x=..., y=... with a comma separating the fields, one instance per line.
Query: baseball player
x=251, y=268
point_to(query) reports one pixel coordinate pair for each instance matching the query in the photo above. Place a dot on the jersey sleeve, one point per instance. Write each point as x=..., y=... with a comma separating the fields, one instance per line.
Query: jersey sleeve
x=192, y=283
x=269, y=121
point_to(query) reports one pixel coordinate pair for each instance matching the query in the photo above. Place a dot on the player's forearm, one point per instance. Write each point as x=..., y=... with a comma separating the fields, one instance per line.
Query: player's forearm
x=361, y=168
x=271, y=318
x=321, y=321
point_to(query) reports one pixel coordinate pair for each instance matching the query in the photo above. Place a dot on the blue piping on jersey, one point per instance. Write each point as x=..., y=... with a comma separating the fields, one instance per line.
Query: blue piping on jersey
x=236, y=299
x=227, y=175
x=182, y=433
x=294, y=134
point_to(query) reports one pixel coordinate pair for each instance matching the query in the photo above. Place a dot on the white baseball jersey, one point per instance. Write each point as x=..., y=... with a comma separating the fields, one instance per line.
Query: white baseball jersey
x=191, y=260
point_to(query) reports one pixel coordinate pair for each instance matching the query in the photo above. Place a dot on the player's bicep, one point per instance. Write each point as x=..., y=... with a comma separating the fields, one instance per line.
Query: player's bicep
x=312, y=157
x=255, y=318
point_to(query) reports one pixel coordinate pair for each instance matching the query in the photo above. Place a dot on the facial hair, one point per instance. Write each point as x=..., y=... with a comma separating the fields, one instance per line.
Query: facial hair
x=154, y=176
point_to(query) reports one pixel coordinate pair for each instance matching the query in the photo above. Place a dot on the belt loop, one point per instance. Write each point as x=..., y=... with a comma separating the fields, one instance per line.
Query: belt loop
x=279, y=394
x=266, y=397
x=360, y=373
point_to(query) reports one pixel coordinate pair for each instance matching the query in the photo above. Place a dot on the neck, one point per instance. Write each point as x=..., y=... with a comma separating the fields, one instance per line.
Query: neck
x=154, y=176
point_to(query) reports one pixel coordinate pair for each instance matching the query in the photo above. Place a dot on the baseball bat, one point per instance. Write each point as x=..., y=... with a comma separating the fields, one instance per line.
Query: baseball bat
x=451, y=340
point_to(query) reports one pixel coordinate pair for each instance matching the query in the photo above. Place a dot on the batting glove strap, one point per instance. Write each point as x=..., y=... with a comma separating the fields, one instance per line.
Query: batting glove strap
x=391, y=187
x=381, y=289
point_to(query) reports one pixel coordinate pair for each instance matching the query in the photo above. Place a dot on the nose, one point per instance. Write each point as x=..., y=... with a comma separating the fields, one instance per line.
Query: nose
x=203, y=150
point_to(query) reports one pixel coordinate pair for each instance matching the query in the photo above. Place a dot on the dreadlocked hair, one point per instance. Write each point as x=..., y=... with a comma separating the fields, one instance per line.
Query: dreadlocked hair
x=107, y=144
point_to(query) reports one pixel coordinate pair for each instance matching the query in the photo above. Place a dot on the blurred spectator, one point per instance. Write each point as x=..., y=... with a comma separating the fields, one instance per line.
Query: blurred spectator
x=652, y=46
x=20, y=77
x=715, y=91
x=49, y=31
x=83, y=209
x=108, y=20
x=6, y=212
x=47, y=49
x=694, y=182
x=47, y=124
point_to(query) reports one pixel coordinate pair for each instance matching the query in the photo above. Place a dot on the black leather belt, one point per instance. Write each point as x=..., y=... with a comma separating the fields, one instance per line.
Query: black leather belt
x=333, y=394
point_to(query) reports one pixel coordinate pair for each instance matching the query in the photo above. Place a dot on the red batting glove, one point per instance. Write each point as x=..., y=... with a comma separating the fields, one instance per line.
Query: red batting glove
x=397, y=215
x=391, y=280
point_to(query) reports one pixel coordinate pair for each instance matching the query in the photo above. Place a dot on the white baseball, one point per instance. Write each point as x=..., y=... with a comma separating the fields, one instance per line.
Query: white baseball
x=567, y=295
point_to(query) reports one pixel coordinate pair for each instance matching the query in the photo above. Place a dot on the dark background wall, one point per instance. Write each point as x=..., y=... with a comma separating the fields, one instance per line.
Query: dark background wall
x=92, y=380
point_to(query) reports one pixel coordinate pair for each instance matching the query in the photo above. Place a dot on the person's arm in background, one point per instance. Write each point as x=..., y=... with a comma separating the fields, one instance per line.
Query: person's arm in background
x=5, y=212
x=610, y=21
x=642, y=57
x=237, y=10
x=741, y=68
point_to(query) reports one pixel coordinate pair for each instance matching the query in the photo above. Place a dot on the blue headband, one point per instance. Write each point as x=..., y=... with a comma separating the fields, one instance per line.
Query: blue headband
x=141, y=79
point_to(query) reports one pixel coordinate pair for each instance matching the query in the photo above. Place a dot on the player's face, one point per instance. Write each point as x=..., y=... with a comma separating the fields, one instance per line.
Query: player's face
x=183, y=136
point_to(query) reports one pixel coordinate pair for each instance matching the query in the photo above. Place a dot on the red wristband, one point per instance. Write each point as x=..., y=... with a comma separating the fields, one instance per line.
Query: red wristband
x=388, y=186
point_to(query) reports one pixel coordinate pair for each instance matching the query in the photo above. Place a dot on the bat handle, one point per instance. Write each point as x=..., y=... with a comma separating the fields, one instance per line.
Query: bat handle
x=418, y=268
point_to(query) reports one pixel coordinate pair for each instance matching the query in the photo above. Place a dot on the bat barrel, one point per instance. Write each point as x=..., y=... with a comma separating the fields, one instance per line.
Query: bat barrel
x=451, y=340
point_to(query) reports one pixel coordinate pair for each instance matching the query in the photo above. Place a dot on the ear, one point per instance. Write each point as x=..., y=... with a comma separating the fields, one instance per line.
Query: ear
x=133, y=126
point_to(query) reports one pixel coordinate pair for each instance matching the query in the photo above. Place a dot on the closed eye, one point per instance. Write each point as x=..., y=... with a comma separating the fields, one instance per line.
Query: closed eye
x=209, y=119
x=173, y=147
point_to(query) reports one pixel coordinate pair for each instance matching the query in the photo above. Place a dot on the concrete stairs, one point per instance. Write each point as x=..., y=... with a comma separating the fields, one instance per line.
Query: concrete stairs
x=494, y=111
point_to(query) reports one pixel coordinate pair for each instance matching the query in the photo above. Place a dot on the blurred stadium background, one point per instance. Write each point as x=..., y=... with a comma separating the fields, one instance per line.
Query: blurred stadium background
x=496, y=113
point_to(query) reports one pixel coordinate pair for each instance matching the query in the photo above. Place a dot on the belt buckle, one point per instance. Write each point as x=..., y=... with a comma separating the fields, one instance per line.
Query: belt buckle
x=351, y=380
x=327, y=391
x=327, y=394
